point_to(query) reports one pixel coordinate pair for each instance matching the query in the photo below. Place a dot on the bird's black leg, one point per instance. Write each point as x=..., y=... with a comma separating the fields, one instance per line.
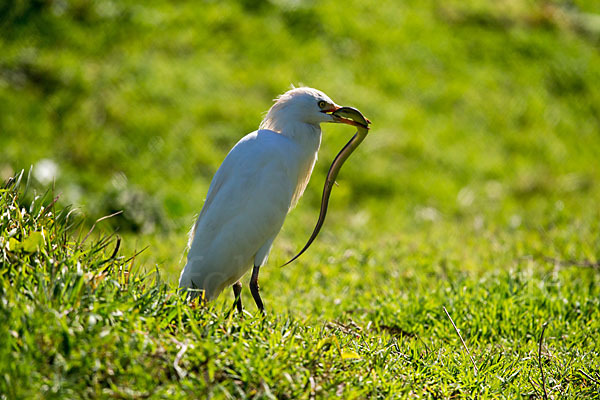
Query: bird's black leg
x=237, y=293
x=254, y=289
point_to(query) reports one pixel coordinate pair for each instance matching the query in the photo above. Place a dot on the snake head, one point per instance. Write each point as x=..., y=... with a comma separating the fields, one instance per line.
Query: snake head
x=351, y=116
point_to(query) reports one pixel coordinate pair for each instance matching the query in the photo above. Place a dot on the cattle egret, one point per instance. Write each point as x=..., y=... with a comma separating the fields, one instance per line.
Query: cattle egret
x=258, y=183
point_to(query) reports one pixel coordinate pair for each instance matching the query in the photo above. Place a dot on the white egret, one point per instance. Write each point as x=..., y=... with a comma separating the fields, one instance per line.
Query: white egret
x=258, y=183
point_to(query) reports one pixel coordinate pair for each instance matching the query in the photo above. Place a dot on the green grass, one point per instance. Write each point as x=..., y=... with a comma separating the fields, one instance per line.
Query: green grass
x=82, y=320
x=476, y=190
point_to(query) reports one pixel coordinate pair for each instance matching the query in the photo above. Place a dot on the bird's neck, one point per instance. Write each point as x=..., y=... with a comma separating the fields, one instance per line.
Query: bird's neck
x=308, y=139
x=307, y=136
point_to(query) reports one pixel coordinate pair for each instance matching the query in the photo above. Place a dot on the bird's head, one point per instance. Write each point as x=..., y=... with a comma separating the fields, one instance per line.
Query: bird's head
x=304, y=105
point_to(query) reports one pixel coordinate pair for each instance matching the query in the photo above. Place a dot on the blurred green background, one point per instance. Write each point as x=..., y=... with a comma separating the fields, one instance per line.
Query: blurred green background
x=486, y=114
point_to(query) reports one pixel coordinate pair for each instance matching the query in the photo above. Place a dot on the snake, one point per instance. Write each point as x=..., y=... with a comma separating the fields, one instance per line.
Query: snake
x=352, y=116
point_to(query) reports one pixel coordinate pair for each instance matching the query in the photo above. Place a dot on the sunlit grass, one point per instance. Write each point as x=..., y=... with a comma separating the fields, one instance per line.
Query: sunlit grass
x=83, y=317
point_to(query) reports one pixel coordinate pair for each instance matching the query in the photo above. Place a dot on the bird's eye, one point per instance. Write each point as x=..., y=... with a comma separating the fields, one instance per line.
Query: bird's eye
x=322, y=104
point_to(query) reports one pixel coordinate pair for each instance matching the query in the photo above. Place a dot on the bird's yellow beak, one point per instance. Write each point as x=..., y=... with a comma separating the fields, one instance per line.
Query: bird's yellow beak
x=350, y=116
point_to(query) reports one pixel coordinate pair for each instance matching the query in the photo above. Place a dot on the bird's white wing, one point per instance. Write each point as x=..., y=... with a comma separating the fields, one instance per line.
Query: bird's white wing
x=257, y=178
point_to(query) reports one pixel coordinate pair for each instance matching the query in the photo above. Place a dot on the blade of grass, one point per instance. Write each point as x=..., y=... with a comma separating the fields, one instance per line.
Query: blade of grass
x=461, y=339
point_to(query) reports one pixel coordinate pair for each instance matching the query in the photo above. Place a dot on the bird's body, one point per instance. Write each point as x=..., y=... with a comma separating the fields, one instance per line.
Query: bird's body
x=247, y=202
x=259, y=181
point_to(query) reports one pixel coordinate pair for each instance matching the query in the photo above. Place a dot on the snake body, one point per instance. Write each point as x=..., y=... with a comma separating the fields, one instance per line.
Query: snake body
x=362, y=124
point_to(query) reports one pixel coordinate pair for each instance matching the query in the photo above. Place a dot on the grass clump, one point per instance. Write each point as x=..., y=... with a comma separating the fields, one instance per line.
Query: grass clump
x=77, y=319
